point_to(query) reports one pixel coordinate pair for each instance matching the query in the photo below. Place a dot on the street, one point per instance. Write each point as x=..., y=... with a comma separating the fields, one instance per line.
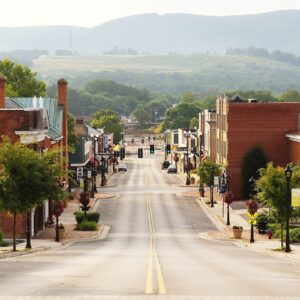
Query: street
x=153, y=248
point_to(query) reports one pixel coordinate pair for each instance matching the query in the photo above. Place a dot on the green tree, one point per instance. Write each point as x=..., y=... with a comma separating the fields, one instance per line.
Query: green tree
x=194, y=122
x=272, y=189
x=207, y=170
x=252, y=162
x=21, y=81
x=142, y=116
x=72, y=138
x=180, y=116
x=290, y=96
x=27, y=179
x=110, y=121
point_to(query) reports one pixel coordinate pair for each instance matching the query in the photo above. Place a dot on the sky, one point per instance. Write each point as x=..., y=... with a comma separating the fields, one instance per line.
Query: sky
x=89, y=13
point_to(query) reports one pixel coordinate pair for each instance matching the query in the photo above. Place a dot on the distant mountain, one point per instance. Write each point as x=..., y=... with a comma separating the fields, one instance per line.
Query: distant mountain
x=161, y=34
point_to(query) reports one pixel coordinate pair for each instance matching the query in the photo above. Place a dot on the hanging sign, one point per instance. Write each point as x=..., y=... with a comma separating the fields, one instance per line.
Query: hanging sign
x=296, y=197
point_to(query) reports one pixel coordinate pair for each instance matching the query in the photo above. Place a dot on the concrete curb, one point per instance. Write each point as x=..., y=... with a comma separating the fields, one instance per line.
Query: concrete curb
x=220, y=226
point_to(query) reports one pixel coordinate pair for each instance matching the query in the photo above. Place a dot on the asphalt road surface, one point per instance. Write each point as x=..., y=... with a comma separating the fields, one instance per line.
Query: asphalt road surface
x=153, y=250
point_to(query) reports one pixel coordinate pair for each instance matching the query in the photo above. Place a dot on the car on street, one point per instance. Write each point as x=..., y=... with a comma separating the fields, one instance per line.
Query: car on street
x=165, y=164
x=122, y=168
x=172, y=169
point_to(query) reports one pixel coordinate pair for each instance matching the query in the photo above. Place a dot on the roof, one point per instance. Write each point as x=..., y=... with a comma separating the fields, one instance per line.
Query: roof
x=54, y=112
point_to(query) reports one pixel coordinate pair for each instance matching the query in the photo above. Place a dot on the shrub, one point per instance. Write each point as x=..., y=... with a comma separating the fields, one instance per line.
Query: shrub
x=1, y=235
x=295, y=235
x=79, y=216
x=261, y=218
x=93, y=217
x=87, y=226
x=3, y=243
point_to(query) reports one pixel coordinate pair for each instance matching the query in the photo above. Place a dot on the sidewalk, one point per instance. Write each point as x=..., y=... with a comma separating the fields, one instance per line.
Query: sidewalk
x=45, y=240
x=238, y=217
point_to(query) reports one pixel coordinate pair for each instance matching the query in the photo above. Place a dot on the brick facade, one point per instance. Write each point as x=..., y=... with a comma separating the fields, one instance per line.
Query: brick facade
x=242, y=126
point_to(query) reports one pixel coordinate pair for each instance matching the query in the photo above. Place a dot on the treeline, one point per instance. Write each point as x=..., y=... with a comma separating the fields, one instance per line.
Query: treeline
x=24, y=57
x=106, y=94
x=277, y=55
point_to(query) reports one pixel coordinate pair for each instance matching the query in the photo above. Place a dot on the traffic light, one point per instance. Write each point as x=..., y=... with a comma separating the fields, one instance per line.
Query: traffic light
x=194, y=150
x=151, y=149
x=142, y=141
x=140, y=153
x=132, y=141
x=168, y=149
x=149, y=138
x=154, y=138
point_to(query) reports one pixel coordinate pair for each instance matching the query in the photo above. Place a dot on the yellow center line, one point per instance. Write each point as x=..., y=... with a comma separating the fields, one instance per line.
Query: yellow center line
x=153, y=255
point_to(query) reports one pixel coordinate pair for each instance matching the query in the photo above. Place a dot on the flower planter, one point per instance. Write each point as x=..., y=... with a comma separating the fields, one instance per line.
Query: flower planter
x=237, y=233
x=62, y=232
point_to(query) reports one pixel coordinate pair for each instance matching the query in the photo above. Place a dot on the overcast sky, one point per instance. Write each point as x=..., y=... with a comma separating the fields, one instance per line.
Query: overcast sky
x=90, y=13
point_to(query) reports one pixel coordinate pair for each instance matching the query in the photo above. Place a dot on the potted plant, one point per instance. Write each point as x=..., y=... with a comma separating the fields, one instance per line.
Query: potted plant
x=62, y=231
x=237, y=232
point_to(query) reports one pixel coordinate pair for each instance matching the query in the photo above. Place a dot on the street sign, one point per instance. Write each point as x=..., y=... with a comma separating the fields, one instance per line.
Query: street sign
x=253, y=222
x=216, y=180
x=296, y=197
x=89, y=174
x=252, y=216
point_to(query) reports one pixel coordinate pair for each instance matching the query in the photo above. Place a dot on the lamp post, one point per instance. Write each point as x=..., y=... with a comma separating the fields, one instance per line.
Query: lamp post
x=212, y=187
x=94, y=188
x=187, y=135
x=166, y=141
x=252, y=206
x=288, y=175
x=227, y=180
x=102, y=170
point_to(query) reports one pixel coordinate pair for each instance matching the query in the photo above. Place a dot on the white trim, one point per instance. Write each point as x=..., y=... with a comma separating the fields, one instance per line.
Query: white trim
x=293, y=137
x=30, y=137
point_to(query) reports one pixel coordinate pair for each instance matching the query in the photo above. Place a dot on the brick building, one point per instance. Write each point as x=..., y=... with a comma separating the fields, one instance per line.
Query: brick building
x=241, y=125
x=41, y=123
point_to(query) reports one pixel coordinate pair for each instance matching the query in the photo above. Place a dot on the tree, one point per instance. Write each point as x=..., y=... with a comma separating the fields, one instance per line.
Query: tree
x=180, y=116
x=272, y=190
x=110, y=121
x=253, y=161
x=72, y=138
x=194, y=122
x=142, y=116
x=27, y=179
x=206, y=171
x=290, y=96
x=21, y=81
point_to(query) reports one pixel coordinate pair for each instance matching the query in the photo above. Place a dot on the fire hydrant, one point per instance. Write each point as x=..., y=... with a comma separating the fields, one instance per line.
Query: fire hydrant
x=270, y=233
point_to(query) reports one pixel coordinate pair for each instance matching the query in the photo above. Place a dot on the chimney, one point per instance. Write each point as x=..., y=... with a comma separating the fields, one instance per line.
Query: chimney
x=62, y=86
x=2, y=91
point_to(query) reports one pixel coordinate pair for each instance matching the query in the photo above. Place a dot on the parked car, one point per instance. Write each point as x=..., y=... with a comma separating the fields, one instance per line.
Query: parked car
x=172, y=169
x=122, y=168
x=165, y=164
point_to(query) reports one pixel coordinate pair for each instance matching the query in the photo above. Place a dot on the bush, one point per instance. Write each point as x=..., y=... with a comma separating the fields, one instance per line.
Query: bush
x=295, y=235
x=79, y=216
x=274, y=227
x=87, y=226
x=1, y=235
x=3, y=243
x=91, y=217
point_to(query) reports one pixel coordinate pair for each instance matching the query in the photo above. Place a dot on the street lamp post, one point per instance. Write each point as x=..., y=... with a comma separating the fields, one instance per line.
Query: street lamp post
x=227, y=180
x=212, y=187
x=187, y=135
x=102, y=170
x=252, y=186
x=94, y=187
x=288, y=175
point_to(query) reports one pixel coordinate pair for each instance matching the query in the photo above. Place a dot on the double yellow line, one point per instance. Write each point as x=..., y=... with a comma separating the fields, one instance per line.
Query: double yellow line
x=153, y=261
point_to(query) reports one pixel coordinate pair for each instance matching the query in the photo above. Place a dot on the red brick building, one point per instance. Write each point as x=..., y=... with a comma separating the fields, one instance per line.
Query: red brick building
x=41, y=123
x=241, y=125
